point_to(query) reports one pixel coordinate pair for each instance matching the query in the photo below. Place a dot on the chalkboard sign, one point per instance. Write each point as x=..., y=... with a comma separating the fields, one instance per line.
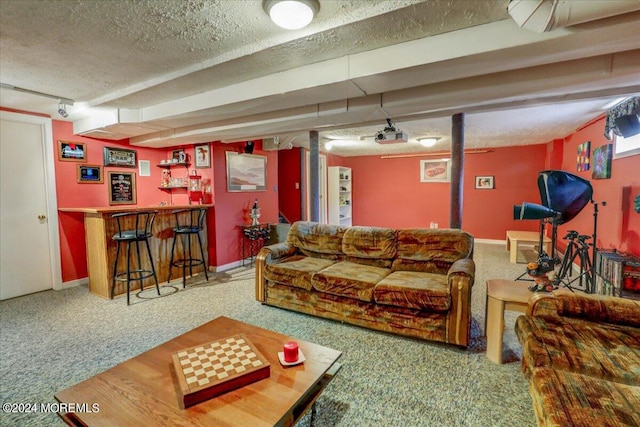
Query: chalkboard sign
x=122, y=188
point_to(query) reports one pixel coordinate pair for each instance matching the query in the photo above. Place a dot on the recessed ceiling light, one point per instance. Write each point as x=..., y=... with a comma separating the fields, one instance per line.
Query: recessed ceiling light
x=428, y=142
x=291, y=14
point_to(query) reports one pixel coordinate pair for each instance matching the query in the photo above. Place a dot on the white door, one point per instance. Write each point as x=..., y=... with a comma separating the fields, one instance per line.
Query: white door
x=28, y=261
x=322, y=178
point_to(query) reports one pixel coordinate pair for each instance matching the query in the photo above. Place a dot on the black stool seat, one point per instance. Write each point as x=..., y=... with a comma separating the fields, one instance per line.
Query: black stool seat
x=189, y=222
x=141, y=232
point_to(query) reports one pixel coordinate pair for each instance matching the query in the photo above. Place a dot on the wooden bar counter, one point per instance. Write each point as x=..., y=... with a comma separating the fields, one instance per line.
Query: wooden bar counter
x=101, y=248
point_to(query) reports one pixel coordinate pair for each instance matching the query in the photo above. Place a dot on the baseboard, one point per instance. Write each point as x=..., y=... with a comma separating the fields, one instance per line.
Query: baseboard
x=225, y=267
x=74, y=283
x=491, y=241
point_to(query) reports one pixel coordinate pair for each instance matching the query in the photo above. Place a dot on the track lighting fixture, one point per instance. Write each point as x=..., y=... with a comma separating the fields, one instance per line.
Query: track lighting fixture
x=62, y=110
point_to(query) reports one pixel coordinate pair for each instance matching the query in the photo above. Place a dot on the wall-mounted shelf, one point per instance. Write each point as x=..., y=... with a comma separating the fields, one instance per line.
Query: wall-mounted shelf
x=169, y=165
x=174, y=187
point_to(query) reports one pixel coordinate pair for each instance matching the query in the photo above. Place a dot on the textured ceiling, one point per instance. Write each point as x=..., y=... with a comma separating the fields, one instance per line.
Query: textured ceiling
x=206, y=70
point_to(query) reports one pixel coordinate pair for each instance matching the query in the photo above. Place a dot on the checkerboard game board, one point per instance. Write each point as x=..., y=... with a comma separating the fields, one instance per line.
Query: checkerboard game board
x=214, y=368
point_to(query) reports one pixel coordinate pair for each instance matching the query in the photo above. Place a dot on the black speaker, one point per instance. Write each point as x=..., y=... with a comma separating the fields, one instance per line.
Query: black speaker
x=628, y=125
x=248, y=147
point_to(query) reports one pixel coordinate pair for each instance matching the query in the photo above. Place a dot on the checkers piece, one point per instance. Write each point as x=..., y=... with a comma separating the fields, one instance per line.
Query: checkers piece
x=214, y=368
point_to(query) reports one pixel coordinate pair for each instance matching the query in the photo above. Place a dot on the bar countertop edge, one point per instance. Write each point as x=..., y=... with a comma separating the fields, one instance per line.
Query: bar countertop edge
x=131, y=208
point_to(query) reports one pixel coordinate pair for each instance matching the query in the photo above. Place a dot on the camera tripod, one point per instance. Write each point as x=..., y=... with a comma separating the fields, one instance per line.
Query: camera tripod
x=577, y=248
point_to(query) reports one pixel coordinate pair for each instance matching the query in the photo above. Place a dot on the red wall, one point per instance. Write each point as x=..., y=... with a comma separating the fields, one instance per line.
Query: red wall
x=232, y=209
x=612, y=231
x=388, y=192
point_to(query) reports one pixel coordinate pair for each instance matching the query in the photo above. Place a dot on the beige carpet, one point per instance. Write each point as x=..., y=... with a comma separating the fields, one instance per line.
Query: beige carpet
x=54, y=339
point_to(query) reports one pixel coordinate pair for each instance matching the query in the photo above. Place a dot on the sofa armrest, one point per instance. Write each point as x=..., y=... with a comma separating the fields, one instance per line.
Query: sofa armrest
x=590, y=307
x=461, y=276
x=267, y=255
x=464, y=266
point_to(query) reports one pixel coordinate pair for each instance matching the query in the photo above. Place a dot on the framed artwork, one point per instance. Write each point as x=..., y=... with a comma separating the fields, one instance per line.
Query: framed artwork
x=72, y=151
x=485, y=182
x=119, y=157
x=89, y=174
x=584, y=152
x=246, y=172
x=435, y=170
x=203, y=156
x=122, y=188
x=602, y=162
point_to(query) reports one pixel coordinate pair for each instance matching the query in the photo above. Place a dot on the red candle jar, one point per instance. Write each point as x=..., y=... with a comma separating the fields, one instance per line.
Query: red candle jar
x=290, y=351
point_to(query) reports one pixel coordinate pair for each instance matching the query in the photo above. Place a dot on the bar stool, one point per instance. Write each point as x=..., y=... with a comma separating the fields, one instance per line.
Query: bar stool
x=140, y=233
x=188, y=223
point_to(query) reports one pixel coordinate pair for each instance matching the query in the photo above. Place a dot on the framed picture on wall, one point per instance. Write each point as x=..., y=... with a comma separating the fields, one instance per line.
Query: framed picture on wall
x=89, y=174
x=485, y=182
x=246, y=172
x=72, y=151
x=602, y=162
x=119, y=157
x=122, y=188
x=203, y=156
x=435, y=170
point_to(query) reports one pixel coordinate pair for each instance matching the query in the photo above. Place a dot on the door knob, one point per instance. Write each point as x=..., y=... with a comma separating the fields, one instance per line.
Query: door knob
x=42, y=217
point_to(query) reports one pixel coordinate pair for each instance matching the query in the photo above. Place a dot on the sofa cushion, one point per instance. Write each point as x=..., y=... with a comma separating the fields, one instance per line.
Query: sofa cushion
x=295, y=271
x=313, y=238
x=349, y=280
x=431, y=250
x=412, y=289
x=568, y=399
x=369, y=242
x=601, y=350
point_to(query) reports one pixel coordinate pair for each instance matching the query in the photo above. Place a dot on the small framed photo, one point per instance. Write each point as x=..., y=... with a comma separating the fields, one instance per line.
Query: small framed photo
x=89, y=174
x=178, y=156
x=122, y=188
x=484, y=182
x=435, y=170
x=119, y=157
x=72, y=151
x=203, y=156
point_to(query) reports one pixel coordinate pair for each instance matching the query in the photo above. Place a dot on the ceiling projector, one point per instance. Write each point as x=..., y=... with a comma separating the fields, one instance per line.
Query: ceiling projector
x=390, y=135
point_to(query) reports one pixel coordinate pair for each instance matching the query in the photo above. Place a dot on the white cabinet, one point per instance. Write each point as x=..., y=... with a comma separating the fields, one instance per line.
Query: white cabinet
x=340, y=197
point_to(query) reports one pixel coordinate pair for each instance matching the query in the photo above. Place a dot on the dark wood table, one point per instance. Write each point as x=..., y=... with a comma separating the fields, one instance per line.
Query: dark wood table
x=144, y=390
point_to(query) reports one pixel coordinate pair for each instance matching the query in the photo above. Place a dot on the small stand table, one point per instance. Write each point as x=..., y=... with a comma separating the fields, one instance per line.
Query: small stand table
x=253, y=238
x=515, y=237
x=502, y=295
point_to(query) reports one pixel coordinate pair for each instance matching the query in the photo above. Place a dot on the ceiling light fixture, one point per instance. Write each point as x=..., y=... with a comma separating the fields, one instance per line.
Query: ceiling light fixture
x=328, y=145
x=428, y=142
x=291, y=14
x=62, y=110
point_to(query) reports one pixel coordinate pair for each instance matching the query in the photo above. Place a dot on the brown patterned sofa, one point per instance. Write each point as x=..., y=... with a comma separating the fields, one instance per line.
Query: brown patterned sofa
x=581, y=354
x=414, y=282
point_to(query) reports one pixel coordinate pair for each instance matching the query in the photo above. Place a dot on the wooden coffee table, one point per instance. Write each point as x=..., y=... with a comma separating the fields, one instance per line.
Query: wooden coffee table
x=144, y=390
x=502, y=295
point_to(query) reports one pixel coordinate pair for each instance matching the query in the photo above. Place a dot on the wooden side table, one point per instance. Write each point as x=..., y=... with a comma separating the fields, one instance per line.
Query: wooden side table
x=515, y=237
x=502, y=295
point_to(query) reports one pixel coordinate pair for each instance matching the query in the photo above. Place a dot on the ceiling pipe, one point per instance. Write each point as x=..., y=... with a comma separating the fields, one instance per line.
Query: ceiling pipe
x=546, y=15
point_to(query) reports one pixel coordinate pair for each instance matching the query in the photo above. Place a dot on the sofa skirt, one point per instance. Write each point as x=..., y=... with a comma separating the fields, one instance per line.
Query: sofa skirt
x=398, y=320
